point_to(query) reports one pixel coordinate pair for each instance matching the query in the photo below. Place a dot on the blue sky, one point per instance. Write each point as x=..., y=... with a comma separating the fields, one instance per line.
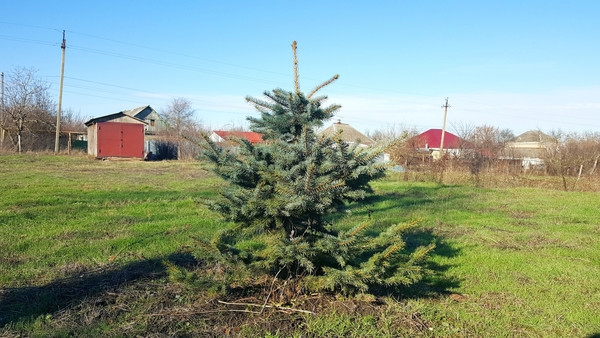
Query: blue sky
x=520, y=65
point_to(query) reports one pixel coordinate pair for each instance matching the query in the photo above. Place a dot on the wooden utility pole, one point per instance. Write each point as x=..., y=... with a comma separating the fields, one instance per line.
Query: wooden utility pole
x=2, y=74
x=2, y=115
x=442, y=162
x=63, y=46
x=445, y=106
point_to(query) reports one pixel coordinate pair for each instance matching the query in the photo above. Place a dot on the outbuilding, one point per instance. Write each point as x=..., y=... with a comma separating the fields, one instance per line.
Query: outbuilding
x=116, y=135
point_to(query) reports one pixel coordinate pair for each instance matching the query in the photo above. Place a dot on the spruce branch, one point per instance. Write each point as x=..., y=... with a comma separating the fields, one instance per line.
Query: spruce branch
x=326, y=83
x=358, y=229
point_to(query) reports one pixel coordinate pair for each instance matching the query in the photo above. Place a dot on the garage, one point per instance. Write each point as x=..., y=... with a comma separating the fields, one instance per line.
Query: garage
x=116, y=135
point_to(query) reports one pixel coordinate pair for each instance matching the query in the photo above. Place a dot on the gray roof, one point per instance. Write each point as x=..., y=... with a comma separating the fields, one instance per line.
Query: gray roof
x=533, y=136
x=349, y=134
x=120, y=117
x=140, y=112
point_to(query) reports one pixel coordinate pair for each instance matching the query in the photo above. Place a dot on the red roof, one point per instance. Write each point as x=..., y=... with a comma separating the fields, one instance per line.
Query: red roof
x=248, y=135
x=433, y=138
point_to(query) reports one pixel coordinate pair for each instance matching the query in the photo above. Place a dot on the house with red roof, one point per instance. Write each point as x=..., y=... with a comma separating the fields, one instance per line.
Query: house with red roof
x=431, y=141
x=220, y=136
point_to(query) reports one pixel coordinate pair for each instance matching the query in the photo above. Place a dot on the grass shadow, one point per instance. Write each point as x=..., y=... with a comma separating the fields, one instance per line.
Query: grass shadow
x=406, y=200
x=398, y=204
x=436, y=284
x=22, y=304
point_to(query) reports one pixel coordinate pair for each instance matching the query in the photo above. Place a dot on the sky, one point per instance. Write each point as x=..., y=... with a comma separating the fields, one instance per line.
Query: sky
x=518, y=65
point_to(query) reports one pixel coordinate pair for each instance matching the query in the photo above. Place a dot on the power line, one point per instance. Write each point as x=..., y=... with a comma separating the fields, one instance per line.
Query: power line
x=180, y=54
x=29, y=26
x=17, y=39
x=235, y=75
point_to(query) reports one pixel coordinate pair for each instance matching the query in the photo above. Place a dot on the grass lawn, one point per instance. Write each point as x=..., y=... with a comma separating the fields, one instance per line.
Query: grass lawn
x=86, y=246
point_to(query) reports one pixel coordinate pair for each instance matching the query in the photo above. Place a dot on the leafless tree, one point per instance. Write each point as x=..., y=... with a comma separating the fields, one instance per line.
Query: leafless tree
x=490, y=141
x=464, y=130
x=391, y=132
x=403, y=151
x=570, y=154
x=28, y=108
x=179, y=115
x=71, y=121
x=180, y=119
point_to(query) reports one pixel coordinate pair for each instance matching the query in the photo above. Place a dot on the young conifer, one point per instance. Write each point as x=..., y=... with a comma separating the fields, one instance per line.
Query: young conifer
x=280, y=191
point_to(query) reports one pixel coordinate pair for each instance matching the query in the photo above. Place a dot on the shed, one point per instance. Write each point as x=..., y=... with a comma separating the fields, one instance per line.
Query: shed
x=116, y=135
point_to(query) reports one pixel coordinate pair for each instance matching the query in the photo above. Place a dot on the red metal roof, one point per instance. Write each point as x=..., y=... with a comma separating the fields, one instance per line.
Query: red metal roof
x=432, y=138
x=248, y=135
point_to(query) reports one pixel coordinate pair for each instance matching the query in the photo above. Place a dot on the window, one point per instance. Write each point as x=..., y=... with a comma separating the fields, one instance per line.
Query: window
x=152, y=122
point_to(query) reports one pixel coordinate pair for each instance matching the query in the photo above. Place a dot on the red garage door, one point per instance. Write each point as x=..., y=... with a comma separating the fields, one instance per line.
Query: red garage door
x=120, y=140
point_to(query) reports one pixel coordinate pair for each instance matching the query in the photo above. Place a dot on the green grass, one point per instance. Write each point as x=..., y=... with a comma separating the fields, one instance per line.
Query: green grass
x=527, y=260
x=83, y=245
x=63, y=213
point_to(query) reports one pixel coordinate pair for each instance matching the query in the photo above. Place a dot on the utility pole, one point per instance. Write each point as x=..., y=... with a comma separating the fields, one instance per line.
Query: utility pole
x=63, y=46
x=2, y=102
x=445, y=106
x=2, y=114
x=442, y=157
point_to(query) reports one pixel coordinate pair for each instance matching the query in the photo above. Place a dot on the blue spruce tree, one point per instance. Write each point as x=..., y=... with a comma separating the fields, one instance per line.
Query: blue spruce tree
x=280, y=192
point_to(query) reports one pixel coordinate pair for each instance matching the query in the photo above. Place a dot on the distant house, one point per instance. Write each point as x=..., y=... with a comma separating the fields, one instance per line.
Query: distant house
x=530, y=148
x=116, y=135
x=223, y=136
x=431, y=141
x=154, y=122
x=349, y=134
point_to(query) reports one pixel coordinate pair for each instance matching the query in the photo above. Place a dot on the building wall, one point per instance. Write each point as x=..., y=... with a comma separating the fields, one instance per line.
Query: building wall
x=92, y=140
x=154, y=123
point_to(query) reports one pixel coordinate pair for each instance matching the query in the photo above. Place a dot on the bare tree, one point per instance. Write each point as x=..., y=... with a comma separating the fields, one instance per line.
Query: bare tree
x=591, y=145
x=464, y=130
x=179, y=115
x=491, y=140
x=466, y=133
x=180, y=121
x=28, y=108
x=391, y=132
x=71, y=121
x=403, y=152
x=570, y=154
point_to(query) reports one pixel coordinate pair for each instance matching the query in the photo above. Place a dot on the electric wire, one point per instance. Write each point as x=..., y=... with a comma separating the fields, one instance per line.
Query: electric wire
x=504, y=111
